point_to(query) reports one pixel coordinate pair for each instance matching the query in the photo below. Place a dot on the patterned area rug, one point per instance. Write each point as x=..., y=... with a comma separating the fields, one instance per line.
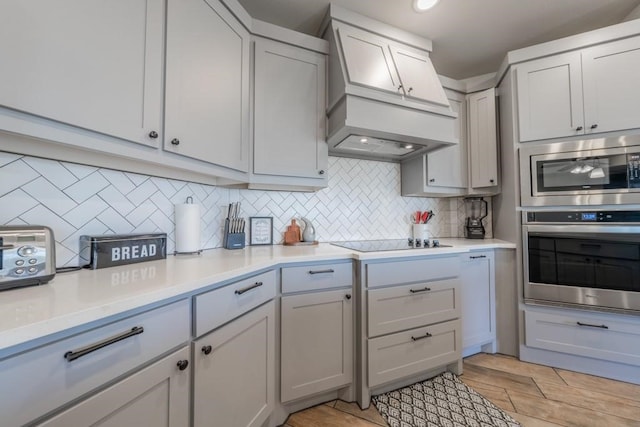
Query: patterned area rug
x=443, y=401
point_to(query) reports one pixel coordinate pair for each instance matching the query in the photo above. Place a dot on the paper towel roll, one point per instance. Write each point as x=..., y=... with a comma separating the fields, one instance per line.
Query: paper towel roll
x=187, y=216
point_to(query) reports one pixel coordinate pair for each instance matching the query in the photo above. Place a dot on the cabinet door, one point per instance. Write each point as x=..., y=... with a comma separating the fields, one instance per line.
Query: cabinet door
x=289, y=87
x=91, y=64
x=478, y=299
x=483, y=139
x=448, y=167
x=611, y=86
x=234, y=371
x=155, y=396
x=207, y=84
x=417, y=75
x=550, y=97
x=317, y=343
x=368, y=59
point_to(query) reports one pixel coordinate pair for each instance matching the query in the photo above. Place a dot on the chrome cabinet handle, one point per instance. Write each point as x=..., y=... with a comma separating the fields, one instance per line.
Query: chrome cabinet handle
x=427, y=335
x=592, y=326
x=75, y=354
x=329, y=270
x=248, y=288
x=415, y=291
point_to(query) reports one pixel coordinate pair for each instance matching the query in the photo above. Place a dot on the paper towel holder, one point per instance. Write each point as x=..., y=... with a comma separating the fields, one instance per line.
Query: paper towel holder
x=189, y=200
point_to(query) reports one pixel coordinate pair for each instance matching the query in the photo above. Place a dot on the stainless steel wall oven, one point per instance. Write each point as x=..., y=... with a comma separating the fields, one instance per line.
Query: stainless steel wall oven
x=583, y=258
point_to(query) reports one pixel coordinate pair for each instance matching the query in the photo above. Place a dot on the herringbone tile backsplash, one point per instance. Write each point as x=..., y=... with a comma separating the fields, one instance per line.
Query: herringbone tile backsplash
x=362, y=201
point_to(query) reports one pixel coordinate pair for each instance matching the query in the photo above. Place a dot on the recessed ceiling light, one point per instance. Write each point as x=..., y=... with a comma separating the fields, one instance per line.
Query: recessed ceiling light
x=422, y=5
x=364, y=140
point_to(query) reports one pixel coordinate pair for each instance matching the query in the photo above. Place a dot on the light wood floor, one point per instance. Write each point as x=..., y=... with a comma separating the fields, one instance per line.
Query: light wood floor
x=535, y=395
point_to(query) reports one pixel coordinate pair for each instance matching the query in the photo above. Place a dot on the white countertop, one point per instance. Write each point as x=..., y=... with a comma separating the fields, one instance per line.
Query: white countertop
x=76, y=298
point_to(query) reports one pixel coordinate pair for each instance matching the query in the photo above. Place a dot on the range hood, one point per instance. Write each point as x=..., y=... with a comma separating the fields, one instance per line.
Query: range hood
x=385, y=99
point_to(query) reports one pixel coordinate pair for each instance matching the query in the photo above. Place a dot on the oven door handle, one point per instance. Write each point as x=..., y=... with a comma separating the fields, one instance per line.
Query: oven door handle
x=590, y=325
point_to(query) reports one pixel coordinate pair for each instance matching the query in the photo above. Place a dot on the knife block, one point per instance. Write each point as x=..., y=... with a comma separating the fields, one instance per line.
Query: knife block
x=232, y=240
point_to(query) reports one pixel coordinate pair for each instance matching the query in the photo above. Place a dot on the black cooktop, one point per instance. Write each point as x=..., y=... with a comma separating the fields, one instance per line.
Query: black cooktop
x=386, y=245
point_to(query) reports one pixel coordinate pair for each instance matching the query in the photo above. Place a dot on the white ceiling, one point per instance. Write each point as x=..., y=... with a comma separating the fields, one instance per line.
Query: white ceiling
x=470, y=37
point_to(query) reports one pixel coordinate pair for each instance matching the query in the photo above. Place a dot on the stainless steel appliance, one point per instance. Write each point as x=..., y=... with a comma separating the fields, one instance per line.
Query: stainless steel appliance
x=389, y=245
x=583, y=258
x=476, y=208
x=26, y=256
x=578, y=173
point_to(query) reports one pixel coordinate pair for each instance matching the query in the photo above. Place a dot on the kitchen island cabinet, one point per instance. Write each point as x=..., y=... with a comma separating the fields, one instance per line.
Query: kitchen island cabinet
x=582, y=92
x=316, y=330
x=207, y=84
x=289, y=82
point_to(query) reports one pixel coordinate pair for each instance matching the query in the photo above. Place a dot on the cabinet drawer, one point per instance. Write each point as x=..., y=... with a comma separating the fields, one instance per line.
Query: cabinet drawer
x=412, y=271
x=41, y=380
x=588, y=335
x=403, y=307
x=219, y=306
x=396, y=356
x=321, y=276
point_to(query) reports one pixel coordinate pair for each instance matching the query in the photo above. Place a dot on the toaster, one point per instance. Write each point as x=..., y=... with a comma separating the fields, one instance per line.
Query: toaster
x=27, y=256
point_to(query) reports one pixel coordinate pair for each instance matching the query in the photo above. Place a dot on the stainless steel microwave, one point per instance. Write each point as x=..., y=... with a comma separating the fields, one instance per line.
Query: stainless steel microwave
x=580, y=173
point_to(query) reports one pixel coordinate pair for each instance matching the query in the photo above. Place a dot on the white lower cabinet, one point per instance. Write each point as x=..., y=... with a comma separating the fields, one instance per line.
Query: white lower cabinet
x=410, y=324
x=477, y=274
x=49, y=377
x=155, y=396
x=603, y=336
x=233, y=370
x=316, y=343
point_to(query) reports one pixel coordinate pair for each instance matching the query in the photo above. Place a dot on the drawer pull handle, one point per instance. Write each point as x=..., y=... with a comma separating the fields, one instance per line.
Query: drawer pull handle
x=477, y=256
x=415, y=291
x=427, y=335
x=248, y=288
x=75, y=354
x=207, y=349
x=329, y=270
x=592, y=326
x=182, y=364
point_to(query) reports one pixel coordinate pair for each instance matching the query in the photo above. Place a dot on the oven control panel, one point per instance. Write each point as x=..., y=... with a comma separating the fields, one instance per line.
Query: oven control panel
x=584, y=216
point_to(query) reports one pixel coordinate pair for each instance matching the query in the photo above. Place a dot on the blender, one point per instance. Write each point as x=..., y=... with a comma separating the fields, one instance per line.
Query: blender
x=476, y=208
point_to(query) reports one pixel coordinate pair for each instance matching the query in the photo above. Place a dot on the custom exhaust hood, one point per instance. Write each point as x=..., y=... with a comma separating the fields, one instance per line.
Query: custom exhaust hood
x=385, y=99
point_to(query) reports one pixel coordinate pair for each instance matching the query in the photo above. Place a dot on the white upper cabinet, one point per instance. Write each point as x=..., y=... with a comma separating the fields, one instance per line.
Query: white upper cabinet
x=417, y=75
x=289, y=112
x=550, y=97
x=483, y=139
x=448, y=167
x=611, y=81
x=582, y=92
x=380, y=63
x=368, y=59
x=90, y=64
x=207, y=84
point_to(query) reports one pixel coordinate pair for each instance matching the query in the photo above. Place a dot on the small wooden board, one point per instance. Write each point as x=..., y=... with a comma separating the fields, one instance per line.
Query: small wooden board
x=314, y=243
